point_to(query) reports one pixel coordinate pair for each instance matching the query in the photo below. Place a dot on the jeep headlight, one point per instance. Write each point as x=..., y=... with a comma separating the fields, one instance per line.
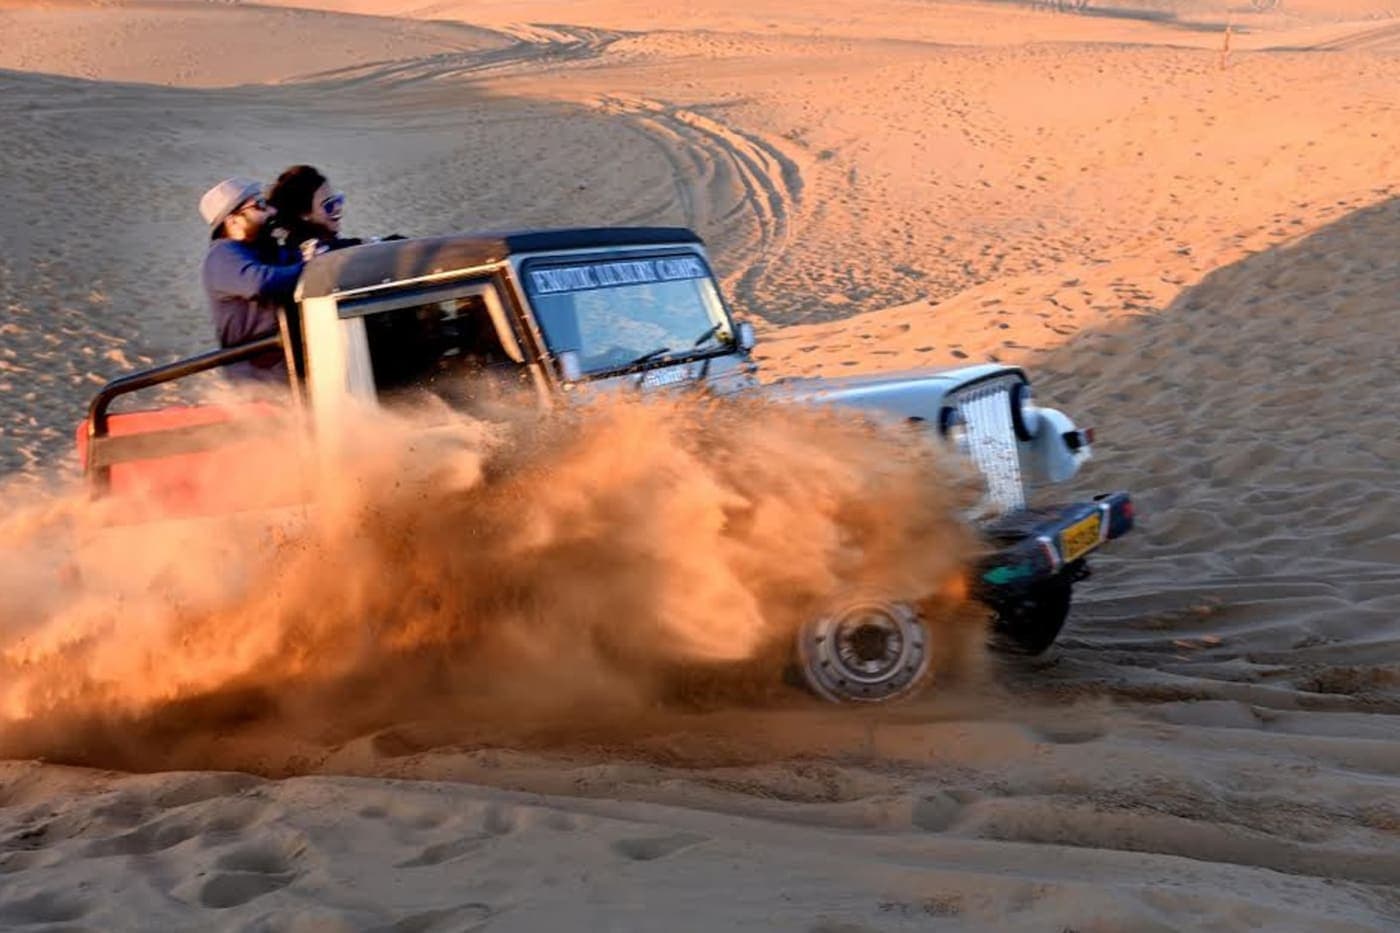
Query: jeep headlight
x=1025, y=417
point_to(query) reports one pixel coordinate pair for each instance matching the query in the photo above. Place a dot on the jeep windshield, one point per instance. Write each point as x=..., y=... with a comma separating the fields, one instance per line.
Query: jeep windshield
x=620, y=314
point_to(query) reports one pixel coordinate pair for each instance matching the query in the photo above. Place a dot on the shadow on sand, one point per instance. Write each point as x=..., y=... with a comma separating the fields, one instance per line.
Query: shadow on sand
x=1257, y=421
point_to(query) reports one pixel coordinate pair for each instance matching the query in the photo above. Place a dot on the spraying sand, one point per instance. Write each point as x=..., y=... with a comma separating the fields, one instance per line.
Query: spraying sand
x=548, y=563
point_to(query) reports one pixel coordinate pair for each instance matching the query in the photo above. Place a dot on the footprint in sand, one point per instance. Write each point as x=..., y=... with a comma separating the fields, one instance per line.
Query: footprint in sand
x=44, y=907
x=937, y=812
x=444, y=852
x=258, y=859
x=246, y=873
x=464, y=918
x=235, y=888
x=171, y=829
x=650, y=848
x=147, y=839
x=496, y=820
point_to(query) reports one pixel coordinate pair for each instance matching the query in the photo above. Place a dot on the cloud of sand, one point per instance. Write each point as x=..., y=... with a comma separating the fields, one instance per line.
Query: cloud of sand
x=544, y=560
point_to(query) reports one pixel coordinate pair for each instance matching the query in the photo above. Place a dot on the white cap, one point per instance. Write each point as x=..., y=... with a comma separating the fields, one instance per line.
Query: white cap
x=225, y=197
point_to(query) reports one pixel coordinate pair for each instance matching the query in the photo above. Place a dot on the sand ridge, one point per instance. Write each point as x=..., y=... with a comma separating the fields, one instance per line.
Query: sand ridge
x=1192, y=252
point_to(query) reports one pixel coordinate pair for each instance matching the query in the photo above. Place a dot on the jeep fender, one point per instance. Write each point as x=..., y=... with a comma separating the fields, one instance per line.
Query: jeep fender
x=1051, y=455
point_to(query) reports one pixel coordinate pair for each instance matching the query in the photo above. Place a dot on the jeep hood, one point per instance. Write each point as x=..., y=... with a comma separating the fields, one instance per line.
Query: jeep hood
x=909, y=394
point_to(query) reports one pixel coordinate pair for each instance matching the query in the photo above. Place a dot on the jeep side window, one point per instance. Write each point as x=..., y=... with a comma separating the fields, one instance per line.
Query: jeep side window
x=447, y=347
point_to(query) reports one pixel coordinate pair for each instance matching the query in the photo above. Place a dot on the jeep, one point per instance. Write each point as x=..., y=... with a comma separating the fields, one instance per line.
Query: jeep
x=470, y=317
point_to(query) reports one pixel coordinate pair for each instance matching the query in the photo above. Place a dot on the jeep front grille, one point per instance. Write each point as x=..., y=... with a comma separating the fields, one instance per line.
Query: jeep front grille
x=985, y=408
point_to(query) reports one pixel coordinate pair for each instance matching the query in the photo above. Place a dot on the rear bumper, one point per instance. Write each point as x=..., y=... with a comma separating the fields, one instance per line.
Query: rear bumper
x=1035, y=545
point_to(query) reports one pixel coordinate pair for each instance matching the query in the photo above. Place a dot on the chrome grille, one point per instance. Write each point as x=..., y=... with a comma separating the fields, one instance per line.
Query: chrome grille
x=991, y=441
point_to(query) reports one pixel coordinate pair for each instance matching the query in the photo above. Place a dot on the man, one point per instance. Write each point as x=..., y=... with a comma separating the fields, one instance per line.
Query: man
x=246, y=276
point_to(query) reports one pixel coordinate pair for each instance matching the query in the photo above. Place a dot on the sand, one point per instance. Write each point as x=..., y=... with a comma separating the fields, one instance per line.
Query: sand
x=1191, y=247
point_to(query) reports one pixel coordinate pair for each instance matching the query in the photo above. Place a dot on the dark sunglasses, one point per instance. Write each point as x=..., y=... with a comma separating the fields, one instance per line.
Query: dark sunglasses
x=333, y=204
x=253, y=203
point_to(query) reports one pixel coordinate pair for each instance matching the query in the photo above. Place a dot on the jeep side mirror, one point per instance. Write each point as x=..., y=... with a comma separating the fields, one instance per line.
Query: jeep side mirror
x=745, y=337
x=570, y=366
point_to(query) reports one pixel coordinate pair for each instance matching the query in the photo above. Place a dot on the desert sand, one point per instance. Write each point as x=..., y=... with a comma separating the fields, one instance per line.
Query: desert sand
x=1182, y=217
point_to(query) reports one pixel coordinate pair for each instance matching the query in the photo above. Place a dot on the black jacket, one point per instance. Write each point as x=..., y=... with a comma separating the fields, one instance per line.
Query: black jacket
x=297, y=232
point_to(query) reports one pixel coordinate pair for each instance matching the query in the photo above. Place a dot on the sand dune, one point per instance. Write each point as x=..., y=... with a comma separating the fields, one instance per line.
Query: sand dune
x=193, y=44
x=1192, y=251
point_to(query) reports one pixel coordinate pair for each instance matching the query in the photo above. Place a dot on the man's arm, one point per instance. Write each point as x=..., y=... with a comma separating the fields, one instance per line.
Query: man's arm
x=233, y=271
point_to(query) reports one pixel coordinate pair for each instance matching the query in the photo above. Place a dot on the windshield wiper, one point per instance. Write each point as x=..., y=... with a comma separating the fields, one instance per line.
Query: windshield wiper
x=647, y=357
x=662, y=351
x=706, y=335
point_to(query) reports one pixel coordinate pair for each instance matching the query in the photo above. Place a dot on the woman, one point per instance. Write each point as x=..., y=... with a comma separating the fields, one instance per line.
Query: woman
x=309, y=211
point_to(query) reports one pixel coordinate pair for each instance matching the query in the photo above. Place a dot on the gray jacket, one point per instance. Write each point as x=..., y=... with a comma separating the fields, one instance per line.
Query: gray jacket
x=246, y=287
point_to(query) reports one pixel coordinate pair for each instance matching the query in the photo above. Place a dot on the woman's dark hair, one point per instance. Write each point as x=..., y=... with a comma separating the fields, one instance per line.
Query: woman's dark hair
x=294, y=190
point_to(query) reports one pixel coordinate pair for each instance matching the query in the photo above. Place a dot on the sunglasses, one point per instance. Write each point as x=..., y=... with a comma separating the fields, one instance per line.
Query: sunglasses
x=333, y=204
x=259, y=204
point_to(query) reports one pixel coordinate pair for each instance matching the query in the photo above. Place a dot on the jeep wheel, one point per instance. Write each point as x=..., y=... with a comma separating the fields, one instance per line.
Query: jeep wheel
x=868, y=652
x=1030, y=623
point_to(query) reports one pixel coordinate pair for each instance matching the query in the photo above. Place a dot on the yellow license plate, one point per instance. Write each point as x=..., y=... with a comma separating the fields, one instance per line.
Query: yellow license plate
x=1080, y=538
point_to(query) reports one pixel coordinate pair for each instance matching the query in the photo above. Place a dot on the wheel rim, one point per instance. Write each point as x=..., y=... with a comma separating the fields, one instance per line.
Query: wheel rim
x=868, y=652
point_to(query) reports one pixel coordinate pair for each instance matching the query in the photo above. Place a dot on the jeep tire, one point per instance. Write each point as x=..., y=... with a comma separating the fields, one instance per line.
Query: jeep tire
x=865, y=651
x=1029, y=622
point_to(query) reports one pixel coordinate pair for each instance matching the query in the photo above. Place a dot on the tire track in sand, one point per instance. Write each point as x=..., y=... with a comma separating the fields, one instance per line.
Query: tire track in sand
x=728, y=182
x=735, y=186
x=1369, y=39
x=526, y=45
x=1382, y=38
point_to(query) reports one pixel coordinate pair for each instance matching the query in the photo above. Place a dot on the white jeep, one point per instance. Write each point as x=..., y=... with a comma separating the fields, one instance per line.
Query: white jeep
x=639, y=308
